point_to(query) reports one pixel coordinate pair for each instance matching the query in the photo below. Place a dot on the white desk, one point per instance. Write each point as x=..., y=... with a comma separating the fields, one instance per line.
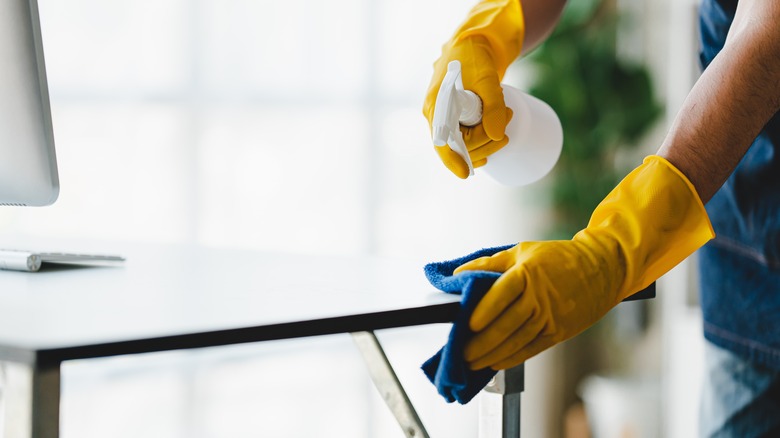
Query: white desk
x=177, y=297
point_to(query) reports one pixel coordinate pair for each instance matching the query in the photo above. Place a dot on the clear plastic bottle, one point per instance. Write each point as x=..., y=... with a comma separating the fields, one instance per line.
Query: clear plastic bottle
x=535, y=132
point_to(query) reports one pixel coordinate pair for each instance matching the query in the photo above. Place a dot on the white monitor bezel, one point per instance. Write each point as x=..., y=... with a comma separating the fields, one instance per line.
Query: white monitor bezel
x=28, y=164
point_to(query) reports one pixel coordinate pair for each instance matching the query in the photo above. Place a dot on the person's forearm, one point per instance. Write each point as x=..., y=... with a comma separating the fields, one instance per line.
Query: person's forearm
x=731, y=102
x=541, y=17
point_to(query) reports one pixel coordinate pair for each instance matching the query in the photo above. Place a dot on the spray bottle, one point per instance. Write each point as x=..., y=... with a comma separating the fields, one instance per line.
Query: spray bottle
x=535, y=133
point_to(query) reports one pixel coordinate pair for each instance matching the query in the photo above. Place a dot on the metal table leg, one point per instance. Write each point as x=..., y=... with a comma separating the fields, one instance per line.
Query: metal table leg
x=388, y=384
x=499, y=404
x=29, y=401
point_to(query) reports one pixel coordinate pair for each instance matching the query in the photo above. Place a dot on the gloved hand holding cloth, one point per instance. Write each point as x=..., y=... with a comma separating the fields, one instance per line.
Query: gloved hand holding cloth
x=552, y=290
x=485, y=44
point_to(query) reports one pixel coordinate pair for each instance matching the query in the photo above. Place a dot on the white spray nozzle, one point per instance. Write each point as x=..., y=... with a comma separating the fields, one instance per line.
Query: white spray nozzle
x=455, y=106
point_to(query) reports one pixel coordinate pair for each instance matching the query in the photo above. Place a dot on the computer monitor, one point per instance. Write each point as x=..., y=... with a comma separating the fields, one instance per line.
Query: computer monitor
x=28, y=166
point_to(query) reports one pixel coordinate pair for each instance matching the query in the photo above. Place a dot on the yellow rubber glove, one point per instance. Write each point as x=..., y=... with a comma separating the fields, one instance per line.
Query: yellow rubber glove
x=485, y=44
x=551, y=291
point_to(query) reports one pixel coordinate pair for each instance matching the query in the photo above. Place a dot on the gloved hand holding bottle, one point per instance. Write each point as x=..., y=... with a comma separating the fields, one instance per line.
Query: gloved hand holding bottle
x=485, y=44
x=551, y=291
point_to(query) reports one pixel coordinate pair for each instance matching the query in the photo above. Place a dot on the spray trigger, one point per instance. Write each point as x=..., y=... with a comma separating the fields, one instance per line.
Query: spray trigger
x=455, y=106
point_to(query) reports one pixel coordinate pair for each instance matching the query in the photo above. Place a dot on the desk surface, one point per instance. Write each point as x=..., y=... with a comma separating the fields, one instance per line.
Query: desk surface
x=173, y=297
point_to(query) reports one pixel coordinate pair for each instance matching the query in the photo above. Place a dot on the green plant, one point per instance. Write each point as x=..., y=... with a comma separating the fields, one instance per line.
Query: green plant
x=604, y=104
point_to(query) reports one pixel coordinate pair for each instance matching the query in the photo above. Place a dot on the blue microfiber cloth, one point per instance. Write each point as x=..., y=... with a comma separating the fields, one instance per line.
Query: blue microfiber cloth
x=447, y=369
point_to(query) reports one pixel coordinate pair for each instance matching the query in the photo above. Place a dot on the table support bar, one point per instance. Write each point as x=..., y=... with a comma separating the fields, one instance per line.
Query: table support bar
x=388, y=385
x=499, y=404
x=29, y=401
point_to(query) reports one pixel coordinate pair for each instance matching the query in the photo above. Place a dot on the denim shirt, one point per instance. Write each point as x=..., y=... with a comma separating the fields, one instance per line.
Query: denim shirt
x=740, y=268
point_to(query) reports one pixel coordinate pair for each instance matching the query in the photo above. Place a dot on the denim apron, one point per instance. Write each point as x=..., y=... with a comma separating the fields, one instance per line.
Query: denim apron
x=740, y=269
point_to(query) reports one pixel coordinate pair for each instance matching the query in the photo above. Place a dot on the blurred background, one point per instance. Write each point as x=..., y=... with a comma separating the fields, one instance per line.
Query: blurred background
x=297, y=127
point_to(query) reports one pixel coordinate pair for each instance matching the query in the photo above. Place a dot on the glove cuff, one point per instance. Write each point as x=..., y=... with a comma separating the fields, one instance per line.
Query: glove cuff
x=501, y=23
x=655, y=218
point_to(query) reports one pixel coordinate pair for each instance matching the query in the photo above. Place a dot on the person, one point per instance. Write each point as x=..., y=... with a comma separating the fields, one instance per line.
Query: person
x=721, y=150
